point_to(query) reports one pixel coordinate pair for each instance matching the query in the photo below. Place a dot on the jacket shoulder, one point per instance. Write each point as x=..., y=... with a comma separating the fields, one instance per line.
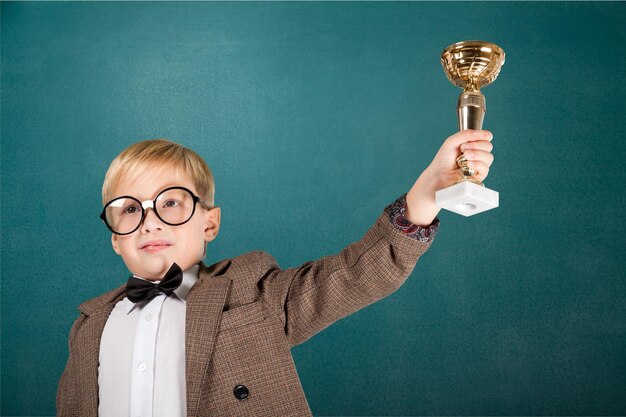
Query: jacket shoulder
x=90, y=305
x=257, y=260
x=246, y=271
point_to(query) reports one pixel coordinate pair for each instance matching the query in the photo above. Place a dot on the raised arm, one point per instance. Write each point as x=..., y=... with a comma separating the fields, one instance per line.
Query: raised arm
x=314, y=295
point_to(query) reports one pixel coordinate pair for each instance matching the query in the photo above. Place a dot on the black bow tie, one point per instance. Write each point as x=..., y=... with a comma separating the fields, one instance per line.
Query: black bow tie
x=140, y=290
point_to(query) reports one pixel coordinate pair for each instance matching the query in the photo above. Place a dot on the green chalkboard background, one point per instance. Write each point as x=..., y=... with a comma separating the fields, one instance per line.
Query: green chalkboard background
x=313, y=116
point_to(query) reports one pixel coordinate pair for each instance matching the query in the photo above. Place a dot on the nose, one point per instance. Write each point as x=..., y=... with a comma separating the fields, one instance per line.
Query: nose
x=151, y=221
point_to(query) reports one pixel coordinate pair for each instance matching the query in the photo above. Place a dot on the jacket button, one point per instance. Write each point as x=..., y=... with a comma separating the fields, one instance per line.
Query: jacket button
x=241, y=392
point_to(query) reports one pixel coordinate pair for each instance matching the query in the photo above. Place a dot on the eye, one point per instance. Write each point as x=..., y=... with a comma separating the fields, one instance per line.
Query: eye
x=131, y=210
x=171, y=203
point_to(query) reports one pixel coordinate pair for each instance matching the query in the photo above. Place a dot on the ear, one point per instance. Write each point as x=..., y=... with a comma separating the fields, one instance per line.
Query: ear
x=211, y=223
x=115, y=243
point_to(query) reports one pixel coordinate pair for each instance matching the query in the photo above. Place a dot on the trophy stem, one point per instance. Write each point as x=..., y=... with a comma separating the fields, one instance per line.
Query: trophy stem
x=471, y=110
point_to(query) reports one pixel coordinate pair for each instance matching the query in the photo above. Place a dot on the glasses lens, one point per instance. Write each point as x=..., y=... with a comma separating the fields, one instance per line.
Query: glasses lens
x=123, y=214
x=174, y=206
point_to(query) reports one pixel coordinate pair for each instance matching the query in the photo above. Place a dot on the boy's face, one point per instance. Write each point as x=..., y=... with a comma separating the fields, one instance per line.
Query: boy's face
x=185, y=244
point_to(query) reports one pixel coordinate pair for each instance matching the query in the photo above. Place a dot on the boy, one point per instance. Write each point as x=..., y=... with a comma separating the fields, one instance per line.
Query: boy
x=180, y=338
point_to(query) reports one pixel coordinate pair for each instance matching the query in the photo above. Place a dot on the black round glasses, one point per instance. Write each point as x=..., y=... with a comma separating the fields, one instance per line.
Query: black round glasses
x=174, y=206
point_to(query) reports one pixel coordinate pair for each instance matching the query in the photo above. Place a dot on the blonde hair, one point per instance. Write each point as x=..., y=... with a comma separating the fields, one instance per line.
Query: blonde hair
x=159, y=152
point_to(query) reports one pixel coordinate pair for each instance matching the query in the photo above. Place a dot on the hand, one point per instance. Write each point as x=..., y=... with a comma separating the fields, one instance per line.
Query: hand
x=474, y=144
x=443, y=172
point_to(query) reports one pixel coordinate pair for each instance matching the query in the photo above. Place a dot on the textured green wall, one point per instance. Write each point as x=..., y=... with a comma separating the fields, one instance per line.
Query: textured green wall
x=313, y=117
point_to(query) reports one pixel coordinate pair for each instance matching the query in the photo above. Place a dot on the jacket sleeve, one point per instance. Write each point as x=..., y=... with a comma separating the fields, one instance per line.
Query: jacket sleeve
x=66, y=399
x=314, y=295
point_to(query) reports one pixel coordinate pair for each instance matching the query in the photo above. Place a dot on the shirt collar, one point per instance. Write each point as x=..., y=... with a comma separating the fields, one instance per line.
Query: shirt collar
x=190, y=276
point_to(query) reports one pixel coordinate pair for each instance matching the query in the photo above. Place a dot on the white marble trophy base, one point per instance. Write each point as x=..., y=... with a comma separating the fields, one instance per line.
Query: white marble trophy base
x=466, y=198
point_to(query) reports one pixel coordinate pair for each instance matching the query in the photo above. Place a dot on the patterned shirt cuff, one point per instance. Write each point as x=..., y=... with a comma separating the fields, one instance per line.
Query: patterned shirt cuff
x=396, y=210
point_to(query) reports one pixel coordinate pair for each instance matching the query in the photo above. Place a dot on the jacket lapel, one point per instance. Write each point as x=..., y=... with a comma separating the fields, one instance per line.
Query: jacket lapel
x=205, y=304
x=97, y=311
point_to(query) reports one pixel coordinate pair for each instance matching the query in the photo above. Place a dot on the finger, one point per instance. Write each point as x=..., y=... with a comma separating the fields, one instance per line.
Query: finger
x=468, y=135
x=481, y=169
x=483, y=145
x=479, y=156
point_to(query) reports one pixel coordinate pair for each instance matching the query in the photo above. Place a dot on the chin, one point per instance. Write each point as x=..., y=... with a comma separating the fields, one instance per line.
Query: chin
x=154, y=269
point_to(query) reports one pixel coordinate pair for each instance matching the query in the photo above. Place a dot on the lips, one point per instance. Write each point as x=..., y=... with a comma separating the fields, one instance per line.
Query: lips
x=157, y=243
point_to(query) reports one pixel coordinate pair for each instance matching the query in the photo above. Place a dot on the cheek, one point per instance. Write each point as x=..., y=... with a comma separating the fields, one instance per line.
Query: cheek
x=199, y=235
x=198, y=229
x=126, y=247
x=191, y=236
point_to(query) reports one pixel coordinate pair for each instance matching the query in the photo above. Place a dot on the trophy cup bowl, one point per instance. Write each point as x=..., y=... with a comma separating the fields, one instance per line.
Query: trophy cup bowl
x=470, y=65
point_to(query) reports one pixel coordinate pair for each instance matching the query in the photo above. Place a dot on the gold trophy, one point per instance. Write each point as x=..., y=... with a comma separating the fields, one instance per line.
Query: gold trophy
x=470, y=65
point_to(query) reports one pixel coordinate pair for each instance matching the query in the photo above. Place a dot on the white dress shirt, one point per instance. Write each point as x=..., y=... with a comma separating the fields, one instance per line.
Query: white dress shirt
x=142, y=356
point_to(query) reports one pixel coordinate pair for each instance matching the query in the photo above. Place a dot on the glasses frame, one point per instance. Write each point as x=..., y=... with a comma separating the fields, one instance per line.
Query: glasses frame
x=145, y=205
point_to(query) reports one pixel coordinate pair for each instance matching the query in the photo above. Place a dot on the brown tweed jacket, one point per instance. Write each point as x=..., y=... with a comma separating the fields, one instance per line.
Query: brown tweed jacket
x=243, y=316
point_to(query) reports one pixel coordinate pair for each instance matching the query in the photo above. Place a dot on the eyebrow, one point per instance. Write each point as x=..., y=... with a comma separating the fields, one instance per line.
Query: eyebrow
x=190, y=188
